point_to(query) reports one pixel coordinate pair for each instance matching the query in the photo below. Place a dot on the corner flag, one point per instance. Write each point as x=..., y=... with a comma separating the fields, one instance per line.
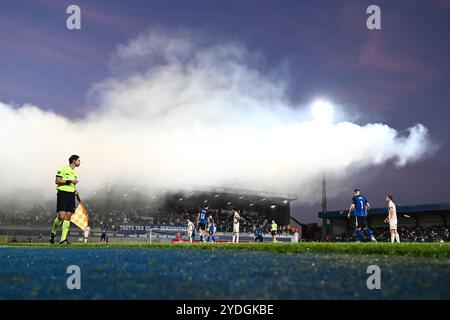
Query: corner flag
x=80, y=217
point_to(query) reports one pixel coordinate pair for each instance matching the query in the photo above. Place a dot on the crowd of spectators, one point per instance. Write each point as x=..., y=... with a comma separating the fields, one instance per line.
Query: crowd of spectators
x=115, y=213
x=129, y=210
x=407, y=234
x=26, y=217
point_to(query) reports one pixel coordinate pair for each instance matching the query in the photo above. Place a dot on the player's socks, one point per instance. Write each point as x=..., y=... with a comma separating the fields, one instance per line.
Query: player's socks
x=369, y=233
x=392, y=238
x=234, y=237
x=213, y=239
x=237, y=239
x=56, y=225
x=209, y=239
x=52, y=238
x=65, y=229
x=358, y=235
x=397, y=237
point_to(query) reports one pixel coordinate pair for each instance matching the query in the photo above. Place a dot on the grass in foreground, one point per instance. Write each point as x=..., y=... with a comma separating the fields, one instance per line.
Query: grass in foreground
x=405, y=249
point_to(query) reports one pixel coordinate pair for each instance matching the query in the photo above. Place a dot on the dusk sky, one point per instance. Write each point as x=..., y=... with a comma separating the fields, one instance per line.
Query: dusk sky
x=398, y=76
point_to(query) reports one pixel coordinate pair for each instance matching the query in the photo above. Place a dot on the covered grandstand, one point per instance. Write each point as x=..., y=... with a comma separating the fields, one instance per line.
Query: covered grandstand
x=265, y=204
x=128, y=208
x=173, y=207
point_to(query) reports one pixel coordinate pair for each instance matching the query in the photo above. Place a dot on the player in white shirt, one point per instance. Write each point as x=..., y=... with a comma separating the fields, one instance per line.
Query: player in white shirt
x=87, y=230
x=236, y=218
x=392, y=219
x=190, y=230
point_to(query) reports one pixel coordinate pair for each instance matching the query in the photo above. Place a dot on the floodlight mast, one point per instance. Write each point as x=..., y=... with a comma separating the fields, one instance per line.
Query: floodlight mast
x=324, y=206
x=324, y=194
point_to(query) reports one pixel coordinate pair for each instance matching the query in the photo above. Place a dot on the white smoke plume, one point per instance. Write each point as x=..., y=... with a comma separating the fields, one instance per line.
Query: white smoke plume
x=176, y=112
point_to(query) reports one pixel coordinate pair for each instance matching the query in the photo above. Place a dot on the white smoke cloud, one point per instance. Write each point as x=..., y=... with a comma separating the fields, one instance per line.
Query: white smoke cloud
x=176, y=112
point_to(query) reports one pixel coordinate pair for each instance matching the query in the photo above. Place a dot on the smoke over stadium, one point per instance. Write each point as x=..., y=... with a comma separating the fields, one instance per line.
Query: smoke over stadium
x=177, y=112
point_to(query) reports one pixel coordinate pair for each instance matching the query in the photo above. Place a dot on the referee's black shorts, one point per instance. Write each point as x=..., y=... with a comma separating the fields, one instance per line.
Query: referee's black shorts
x=65, y=201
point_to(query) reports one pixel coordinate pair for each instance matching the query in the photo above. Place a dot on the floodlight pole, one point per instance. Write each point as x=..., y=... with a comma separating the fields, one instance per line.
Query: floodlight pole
x=324, y=206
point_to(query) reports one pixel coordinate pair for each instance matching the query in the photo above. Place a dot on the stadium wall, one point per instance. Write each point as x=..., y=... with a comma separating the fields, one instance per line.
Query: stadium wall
x=430, y=220
x=339, y=226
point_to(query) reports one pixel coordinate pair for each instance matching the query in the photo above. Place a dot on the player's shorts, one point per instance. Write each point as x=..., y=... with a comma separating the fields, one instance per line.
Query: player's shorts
x=393, y=225
x=273, y=233
x=211, y=232
x=361, y=222
x=202, y=226
x=236, y=228
x=65, y=201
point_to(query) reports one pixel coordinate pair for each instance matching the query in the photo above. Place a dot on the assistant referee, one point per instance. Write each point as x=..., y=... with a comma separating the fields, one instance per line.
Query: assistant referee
x=66, y=179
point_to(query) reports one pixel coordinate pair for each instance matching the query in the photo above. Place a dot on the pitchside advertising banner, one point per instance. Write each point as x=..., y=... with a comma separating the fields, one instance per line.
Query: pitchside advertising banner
x=170, y=231
x=140, y=231
x=127, y=229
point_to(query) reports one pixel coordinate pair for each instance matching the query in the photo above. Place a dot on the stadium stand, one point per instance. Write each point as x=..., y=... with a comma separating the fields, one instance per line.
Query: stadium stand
x=115, y=208
x=416, y=223
x=407, y=234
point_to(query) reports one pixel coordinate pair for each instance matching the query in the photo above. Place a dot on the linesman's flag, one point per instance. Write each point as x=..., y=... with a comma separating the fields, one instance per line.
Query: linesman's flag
x=80, y=217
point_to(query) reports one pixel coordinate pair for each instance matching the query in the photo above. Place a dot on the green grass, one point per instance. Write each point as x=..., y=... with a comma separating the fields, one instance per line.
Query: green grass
x=404, y=249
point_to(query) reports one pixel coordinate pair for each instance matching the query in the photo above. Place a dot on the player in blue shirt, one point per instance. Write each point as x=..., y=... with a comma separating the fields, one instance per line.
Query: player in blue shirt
x=202, y=221
x=258, y=235
x=211, y=229
x=104, y=236
x=360, y=206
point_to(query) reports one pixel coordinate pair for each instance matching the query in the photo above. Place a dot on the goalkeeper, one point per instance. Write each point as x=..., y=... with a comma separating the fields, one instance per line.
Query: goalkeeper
x=66, y=179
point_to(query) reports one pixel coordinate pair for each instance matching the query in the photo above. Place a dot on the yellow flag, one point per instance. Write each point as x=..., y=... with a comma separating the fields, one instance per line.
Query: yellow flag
x=80, y=217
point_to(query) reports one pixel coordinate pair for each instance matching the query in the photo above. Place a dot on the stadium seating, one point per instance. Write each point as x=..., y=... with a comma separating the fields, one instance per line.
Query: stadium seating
x=407, y=234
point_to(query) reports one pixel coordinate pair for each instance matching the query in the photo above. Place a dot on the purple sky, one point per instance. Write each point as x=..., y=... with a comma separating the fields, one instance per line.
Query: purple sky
x=399, y=75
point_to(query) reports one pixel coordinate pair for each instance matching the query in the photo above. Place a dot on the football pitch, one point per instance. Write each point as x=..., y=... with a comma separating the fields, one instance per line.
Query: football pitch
x=226, y=271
